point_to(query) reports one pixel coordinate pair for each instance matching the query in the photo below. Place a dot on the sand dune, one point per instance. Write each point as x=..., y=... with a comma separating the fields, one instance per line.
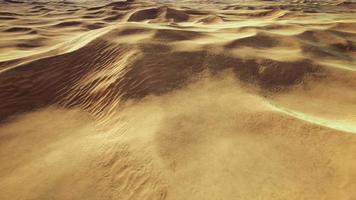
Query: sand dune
x=167, y=100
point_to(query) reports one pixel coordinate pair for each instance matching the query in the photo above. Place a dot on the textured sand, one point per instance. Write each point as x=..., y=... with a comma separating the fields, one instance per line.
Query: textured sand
x=164, y=100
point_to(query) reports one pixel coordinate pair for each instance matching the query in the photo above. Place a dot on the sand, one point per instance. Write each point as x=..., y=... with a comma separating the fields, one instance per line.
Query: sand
x=178, y=100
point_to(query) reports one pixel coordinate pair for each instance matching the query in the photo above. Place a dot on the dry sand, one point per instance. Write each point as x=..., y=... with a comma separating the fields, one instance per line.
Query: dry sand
x=248, y=100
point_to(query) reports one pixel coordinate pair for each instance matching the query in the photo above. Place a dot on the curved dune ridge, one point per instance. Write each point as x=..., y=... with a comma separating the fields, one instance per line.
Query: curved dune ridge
x=167, y=100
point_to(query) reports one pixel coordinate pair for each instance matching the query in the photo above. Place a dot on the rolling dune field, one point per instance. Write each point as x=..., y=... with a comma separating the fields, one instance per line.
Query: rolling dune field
x=178, y=100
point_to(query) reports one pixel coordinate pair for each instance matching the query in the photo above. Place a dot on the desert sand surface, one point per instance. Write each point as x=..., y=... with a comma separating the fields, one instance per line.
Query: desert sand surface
x=178, y=100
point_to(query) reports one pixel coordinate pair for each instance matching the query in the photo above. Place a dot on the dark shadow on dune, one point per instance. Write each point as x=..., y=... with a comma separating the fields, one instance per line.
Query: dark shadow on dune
x=145, y=14
x=9, y=14
x=90, y=16
x=259, y=40
x=95, y=8
x=28, y=45
x=95, y=26
x=18, y=29
x=46, y=81
x=158, y=73
x=161, y=13
x=7, y=18
x=176, y=35
x=12, y=1
x=31, y=43
x=265, y=73
x=68, y=23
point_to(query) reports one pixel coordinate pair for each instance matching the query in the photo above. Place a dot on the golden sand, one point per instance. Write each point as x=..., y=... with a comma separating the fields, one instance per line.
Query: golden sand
x=198, y=100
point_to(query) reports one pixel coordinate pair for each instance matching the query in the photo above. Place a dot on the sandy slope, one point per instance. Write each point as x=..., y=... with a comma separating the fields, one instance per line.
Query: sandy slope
x=165, y=100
